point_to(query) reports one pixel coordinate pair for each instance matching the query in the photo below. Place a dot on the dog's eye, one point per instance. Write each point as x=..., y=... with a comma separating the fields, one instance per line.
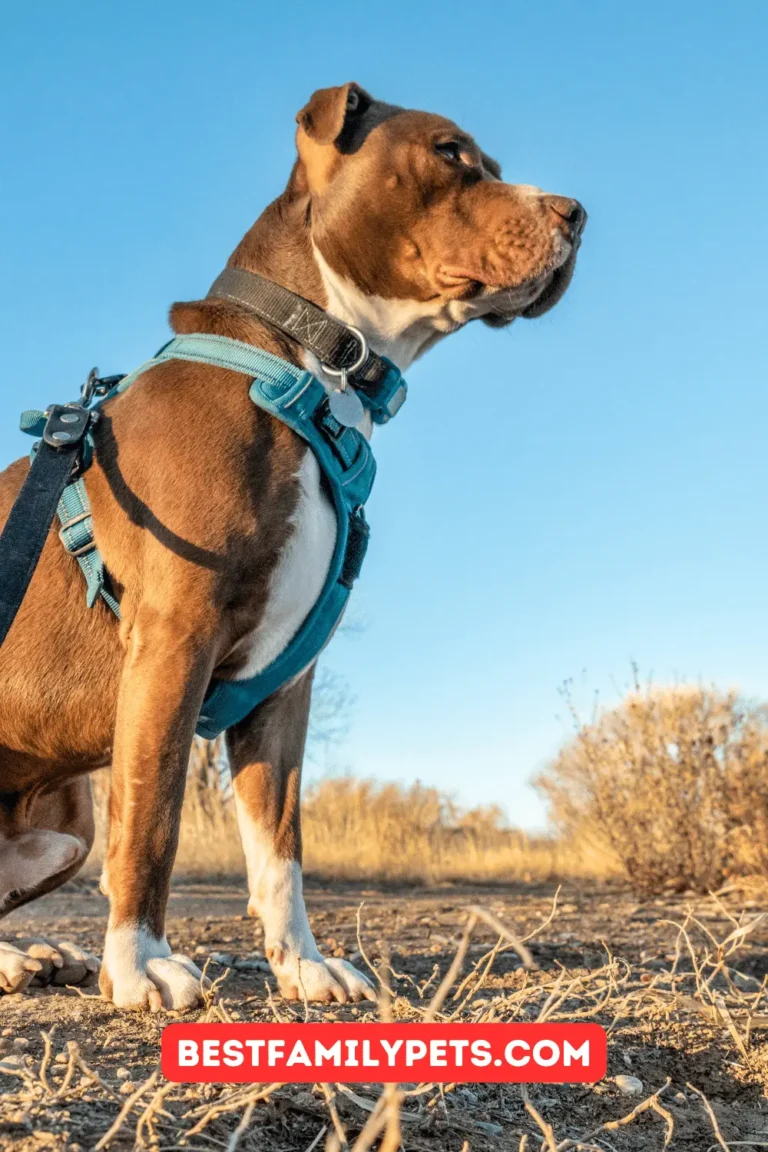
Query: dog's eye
x=453, y=151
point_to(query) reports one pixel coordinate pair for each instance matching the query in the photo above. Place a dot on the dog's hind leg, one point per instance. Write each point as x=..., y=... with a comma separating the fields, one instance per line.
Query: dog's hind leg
x=266, y=752
x=44, y=840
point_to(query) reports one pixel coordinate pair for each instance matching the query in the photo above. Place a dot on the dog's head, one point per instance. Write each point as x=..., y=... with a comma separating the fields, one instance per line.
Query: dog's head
x=414, y=229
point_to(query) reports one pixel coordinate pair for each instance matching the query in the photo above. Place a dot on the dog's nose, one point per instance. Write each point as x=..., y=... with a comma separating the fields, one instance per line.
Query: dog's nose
x=569, y=210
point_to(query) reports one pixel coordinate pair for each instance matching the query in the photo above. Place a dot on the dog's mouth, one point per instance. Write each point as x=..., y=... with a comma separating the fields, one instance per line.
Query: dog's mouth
x=534, y=298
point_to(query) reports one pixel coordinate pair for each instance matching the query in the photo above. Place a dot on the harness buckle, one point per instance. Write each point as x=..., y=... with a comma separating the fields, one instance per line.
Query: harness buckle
x=88, y=546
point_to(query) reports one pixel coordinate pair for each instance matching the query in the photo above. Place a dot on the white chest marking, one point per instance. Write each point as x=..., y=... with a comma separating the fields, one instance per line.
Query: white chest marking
x=401, y=330
x=300, y=574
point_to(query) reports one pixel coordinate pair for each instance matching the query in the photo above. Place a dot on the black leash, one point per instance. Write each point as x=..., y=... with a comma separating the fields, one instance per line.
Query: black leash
x=26, y=529
x=337, y=346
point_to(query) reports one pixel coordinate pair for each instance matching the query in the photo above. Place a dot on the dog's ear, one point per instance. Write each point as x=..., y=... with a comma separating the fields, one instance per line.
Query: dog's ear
x=321, y=122
x=329, y=110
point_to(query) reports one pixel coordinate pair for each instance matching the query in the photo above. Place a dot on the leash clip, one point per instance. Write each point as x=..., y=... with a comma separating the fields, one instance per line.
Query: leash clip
x=96, y=385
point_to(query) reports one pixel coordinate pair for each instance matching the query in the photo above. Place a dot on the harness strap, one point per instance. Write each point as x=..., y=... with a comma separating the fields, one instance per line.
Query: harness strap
x=26, y=529
x=76, y=534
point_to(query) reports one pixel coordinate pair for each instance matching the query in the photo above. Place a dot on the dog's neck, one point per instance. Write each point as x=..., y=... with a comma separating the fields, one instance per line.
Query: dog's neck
x=280, y=247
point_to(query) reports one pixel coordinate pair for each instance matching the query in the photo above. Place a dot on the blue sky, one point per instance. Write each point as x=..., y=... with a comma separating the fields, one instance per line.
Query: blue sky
x=555, y=500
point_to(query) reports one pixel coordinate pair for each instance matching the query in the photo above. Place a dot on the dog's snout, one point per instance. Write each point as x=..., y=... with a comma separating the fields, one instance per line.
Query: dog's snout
x=571, y=211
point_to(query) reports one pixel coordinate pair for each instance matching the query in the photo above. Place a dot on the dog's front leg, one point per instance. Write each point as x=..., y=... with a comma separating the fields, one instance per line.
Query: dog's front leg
x=266, y=753
x=166, y=670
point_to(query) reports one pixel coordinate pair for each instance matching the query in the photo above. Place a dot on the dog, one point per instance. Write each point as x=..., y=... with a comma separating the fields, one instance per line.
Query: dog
x=217, y=534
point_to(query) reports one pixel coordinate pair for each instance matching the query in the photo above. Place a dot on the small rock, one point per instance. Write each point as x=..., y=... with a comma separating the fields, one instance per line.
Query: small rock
x=235, y=1015
x=629, y=1085
x=251, y=964
x=61, y=1058
x=627, y=1059
x=745, y=983
x=201, y=950
x=126, y=1088
x=491, y=1129
x=123, y=1074
x=12, y=1065
x=226, y=959
x=680, y=1097
x=85, y=1082
x=21, y=1043
x=303, y=1099
x=7, y=1032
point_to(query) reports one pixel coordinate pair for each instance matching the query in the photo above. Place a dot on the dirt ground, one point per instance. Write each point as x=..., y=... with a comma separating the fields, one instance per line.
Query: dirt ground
x=679, y=982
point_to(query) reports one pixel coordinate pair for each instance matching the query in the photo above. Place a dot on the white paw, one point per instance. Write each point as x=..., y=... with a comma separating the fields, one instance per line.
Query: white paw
x=172, y=983
x=319, y=979
x=16, y=968
x=61, y=962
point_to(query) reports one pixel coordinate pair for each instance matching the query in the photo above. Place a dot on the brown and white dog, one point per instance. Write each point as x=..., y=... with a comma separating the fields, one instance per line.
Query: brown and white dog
x=217, y=535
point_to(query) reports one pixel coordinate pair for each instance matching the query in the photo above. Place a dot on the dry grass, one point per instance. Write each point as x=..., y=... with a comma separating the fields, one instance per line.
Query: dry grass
x=672, y=785
x=363, y=830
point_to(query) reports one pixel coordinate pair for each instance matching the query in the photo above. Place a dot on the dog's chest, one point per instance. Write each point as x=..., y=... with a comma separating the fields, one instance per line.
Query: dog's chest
x=299, y=576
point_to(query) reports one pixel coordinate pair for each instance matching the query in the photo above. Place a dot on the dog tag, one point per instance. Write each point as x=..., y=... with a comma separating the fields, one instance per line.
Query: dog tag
x=346, y=407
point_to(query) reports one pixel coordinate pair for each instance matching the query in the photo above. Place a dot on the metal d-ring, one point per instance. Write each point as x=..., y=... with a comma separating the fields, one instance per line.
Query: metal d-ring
x=89, y=388
x=350, y=370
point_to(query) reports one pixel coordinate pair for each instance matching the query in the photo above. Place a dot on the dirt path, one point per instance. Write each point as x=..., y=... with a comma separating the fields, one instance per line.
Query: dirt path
x=615, y=959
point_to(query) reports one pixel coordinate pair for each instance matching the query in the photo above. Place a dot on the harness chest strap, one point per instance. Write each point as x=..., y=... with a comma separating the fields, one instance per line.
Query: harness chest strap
x=298, y=399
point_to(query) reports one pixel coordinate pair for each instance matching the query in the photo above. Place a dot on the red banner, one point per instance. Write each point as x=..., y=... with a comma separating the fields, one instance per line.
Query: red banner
x=354, y=1053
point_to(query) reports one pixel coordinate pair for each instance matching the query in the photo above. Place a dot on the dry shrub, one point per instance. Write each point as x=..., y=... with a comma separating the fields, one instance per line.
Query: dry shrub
x=673, y=783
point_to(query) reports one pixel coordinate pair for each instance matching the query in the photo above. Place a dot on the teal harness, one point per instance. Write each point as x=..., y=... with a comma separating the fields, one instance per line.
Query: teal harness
x=300, y=400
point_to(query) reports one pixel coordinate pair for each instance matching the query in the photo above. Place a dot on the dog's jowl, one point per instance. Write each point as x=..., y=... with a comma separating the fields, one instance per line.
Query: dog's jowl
x=217, y=533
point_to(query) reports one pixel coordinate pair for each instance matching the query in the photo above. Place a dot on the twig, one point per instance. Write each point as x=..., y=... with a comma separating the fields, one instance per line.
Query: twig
x=125, y=1110
x=494, y=922
x=447, y=982
x=650, y=1102
x=712, y=1117
x=546, y=1129
x=335, y=1118
x=234, y=1139
x=362, y=951
x=47, y=1038
x=73, y=1054
x=145, y=1120
x=228, y=1106
x=317, y=1139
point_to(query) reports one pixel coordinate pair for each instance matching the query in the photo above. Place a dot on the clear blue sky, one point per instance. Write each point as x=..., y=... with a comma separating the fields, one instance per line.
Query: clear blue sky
x=554, y=500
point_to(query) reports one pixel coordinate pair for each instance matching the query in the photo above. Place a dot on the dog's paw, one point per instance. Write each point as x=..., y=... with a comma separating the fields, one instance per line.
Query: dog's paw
x=318, y=979
x=172, y=983
x=17, y=969
x=61, y=962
